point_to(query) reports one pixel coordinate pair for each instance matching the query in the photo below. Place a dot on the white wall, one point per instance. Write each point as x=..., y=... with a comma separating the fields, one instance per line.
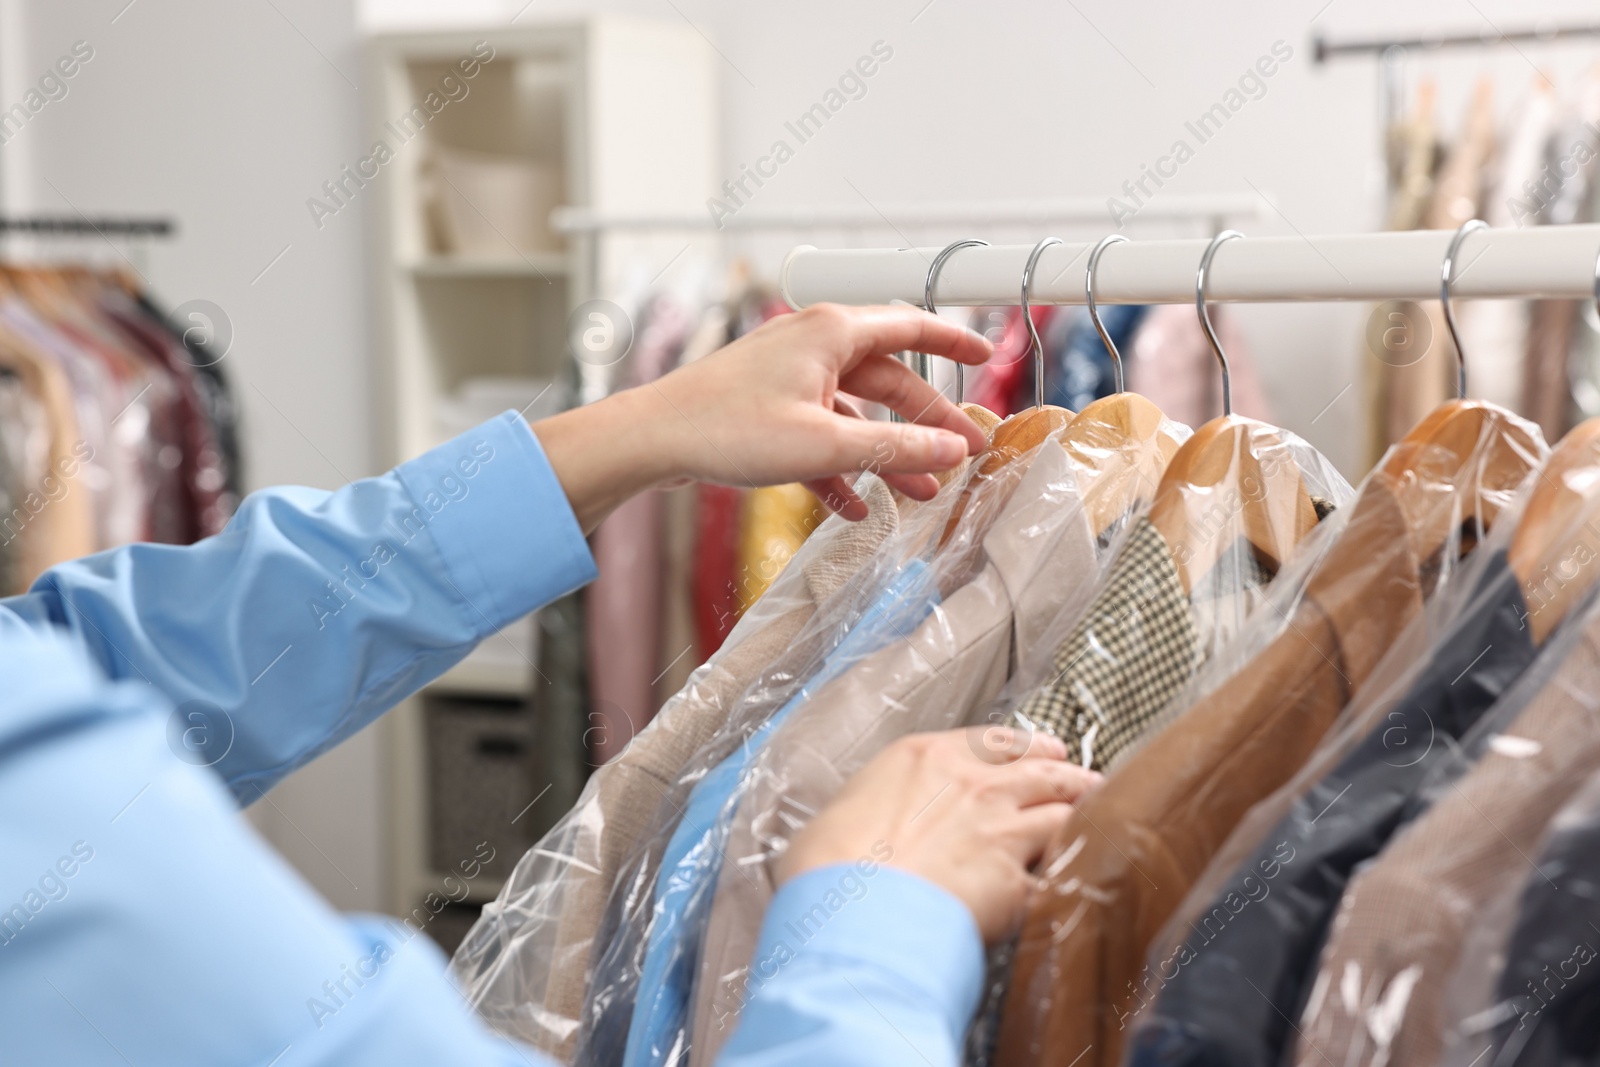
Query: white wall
x=228, y=116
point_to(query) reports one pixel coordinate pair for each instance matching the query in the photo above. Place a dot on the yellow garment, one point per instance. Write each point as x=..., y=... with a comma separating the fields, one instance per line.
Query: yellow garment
x=775, y=523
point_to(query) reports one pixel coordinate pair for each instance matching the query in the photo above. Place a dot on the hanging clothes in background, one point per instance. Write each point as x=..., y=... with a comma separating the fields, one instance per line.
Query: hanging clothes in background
x=1496, y=331
x=622, y=617
x=114, y=427
x=1004, y=384
x=1171, y=362
x=1538, y=167
x=1078, y=369
x=1401, y=390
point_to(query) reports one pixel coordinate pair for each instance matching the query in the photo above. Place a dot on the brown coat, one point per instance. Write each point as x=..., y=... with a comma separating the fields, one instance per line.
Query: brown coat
x=1135, y=846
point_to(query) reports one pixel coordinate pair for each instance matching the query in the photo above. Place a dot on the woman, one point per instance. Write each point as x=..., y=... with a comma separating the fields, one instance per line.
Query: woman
x=150, y=690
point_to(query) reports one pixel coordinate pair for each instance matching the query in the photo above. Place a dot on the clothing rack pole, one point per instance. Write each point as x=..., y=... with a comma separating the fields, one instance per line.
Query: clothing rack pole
x=81, y=226
x=1323, y=49
x=1078, y=211
x=1537, y=262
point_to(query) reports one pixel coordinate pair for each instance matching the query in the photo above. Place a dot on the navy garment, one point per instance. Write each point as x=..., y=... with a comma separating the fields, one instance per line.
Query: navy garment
x=1231, y=1004
x=1549, y=991
x=1079, y=367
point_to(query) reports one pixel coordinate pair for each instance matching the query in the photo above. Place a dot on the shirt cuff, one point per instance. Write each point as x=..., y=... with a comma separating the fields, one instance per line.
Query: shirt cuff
x=500, y=520
x=866, y=915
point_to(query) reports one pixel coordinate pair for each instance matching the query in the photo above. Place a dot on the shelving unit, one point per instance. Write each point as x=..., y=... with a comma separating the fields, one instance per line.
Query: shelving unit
x=603, y=113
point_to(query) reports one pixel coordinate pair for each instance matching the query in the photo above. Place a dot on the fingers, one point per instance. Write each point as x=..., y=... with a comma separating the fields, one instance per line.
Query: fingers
x=891, y=447
x=882, y=330
x=893, y=384
x=1006, y=744
x=836, y=495
x=1032, y=782
x=915, y=486
x=1034, y=829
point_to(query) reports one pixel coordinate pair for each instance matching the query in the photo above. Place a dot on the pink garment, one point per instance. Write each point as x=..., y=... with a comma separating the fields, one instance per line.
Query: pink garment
x=622, y=621
x=1171, y=363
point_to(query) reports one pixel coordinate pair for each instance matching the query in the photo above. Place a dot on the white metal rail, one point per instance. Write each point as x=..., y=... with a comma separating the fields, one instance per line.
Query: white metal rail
x=1546, y=261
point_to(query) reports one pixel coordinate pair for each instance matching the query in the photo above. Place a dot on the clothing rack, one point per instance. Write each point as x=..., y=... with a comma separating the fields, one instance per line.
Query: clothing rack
x=1323, y=49
x=82, y=226
x=1392, y=52
x=1215, y=209
x=1538, y=262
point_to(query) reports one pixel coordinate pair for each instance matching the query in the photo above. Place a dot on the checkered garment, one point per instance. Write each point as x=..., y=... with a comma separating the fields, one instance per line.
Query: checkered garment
x=1134, y=648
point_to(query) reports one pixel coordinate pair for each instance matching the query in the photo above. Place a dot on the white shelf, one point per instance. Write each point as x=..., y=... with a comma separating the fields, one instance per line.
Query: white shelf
x=625, y=110
x=486, y=678
x=535, y=265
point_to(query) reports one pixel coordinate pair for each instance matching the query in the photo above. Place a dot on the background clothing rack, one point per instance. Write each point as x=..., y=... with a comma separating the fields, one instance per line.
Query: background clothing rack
x=79, y=225
x=1393, y=52
x=590, y=227
x=1323, y=49
x=1538, y=262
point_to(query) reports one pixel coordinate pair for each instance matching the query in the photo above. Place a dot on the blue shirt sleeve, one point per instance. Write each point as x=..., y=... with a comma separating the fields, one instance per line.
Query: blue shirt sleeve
x=143, y=921
x=860, y=964
x=314, y=612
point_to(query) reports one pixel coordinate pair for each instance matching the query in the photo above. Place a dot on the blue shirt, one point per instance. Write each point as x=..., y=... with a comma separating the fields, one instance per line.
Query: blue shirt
x=688, y=874
x=147, y=692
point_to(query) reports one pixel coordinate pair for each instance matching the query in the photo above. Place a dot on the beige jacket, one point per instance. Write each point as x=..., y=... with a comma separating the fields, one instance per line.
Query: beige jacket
x=537, y=994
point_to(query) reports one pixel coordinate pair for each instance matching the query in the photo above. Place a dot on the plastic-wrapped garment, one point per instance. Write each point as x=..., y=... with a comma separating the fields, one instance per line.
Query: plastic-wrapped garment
x=1240, y=973
x=1527, y=991
x=200, y=469
x=656, y=1034
x=1146, y=634
x=54, y=520
x=95, y=397
x=1378, y=997
x=1241, y=728
x=524, y=966
x=1039, y=560
x=657, y=911
x=221, y=408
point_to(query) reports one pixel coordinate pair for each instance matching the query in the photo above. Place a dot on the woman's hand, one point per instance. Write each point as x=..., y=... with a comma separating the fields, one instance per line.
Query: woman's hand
x=969, y=810
x=773, y=407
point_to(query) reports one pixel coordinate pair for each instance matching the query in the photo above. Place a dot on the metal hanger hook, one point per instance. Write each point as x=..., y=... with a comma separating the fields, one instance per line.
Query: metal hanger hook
x=1205, y=316
x=927, y=303
x=1036, y=346
x=1445, y=277
x=1094, y=312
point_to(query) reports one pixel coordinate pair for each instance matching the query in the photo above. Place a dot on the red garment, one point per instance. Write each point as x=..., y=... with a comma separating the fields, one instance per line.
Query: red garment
x=716, y=562
x=1004, y=385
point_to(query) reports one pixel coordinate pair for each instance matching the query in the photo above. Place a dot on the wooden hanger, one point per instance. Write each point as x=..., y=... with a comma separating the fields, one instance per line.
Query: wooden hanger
x=1555, y=553
x=1503, y=447
x=1233, y=474
x=1120, y=447
x=1117, y=443
x=1026, y=430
